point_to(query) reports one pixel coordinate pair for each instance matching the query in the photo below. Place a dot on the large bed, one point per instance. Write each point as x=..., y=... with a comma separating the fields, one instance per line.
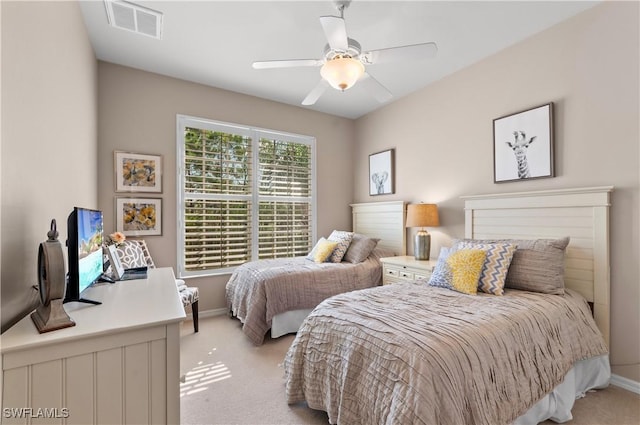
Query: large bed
x=415, y=353
x=278, y=294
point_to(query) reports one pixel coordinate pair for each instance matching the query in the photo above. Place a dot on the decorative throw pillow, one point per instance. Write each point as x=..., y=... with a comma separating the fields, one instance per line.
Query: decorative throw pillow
x=323, y=250
x=496, y=266
x=441, y=275
x=459, y=270
x=131, y=254
x=466, y=266
x=537, y=264
x=145, y=251
x=360, y=249
x=313, y=251
x=344, y=240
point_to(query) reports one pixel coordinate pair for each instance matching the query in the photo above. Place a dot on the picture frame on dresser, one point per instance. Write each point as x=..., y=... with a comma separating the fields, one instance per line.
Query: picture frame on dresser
x=523, y=145
x=381, y=173
x=137, y=172
x=139, y=216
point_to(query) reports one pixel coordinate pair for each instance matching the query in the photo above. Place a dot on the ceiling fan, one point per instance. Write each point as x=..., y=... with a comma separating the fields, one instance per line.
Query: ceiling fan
x=343, y=62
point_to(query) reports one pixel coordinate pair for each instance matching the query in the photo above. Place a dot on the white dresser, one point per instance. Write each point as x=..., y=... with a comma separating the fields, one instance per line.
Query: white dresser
x=119, y=364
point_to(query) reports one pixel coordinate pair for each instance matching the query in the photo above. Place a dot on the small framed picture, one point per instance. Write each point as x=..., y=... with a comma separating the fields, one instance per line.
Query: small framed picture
x=139, y=216
x=523, y=145
x=381, y=173
x=136, y=172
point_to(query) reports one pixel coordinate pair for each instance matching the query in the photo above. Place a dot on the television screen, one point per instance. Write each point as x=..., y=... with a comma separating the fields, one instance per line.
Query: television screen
x=84, y=244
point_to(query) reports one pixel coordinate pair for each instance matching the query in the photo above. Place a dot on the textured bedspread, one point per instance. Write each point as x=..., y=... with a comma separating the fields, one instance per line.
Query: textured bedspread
x=414, y=354
x=259, y=290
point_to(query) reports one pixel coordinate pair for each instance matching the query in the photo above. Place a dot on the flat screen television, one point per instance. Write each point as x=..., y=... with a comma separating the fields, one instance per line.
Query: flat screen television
x=84, y=245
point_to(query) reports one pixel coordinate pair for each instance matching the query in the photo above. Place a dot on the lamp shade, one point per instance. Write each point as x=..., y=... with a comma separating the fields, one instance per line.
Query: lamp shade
x=342, y=73
x=422, y=215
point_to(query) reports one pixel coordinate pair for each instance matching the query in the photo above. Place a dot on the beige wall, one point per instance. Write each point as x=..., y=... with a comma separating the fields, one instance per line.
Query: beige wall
x=49, y=135
x=589, y=67
x=137, y=113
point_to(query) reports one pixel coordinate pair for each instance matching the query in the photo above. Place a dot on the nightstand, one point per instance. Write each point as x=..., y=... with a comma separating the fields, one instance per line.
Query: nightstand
x=405, y=269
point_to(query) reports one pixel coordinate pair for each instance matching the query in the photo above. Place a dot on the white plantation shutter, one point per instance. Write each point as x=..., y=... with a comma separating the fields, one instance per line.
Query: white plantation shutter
x=285, y=182
x=245, y=194
x=217, y=233
x=284, y=229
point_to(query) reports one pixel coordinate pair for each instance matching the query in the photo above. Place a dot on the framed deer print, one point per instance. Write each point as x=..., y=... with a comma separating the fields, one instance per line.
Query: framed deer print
x=381, y=173
x=523, y=145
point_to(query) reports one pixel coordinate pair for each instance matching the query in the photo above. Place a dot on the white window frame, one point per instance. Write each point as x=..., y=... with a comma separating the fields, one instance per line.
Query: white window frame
x=255, y=133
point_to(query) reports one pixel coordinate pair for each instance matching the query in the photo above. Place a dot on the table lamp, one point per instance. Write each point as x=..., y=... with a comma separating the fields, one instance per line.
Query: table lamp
x=422, y=215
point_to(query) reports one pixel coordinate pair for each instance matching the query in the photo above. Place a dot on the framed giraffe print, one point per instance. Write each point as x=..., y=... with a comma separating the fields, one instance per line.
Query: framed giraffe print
x=523, y=145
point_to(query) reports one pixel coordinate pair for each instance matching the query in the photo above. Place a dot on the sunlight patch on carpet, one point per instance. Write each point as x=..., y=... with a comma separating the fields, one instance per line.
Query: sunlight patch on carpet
x=200, y=377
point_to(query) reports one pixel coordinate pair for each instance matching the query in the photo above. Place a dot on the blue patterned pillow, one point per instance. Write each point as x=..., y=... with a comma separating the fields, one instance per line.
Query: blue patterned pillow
x=441, y=275
x=344, y=240
x=494, y=271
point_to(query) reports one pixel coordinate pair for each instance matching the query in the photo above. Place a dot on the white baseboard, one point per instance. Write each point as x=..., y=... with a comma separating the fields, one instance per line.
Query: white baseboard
x=625, y=383
x=209, y=313
x=214, y=312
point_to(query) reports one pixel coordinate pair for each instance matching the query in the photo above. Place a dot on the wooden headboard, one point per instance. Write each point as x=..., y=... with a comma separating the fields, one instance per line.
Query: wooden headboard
x=383, y=220
x=582, y=214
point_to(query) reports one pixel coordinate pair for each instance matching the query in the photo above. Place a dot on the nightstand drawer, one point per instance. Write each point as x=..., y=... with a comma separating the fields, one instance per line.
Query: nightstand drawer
x=405, y=274
x=405, y=269
x=391, y=272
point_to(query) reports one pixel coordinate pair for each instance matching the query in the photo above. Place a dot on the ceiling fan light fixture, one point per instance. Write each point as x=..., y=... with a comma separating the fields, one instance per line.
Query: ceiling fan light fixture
x=342, y=72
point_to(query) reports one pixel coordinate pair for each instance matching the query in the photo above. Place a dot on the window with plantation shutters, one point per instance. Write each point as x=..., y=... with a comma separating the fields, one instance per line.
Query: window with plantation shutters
x=244, y=194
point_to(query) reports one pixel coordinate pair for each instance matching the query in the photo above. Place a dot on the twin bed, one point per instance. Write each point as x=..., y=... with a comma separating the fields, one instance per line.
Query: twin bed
x=414, y=353
x=279, y=294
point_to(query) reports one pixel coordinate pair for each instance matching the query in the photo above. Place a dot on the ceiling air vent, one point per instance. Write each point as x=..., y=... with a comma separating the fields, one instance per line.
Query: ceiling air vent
x=135, y=18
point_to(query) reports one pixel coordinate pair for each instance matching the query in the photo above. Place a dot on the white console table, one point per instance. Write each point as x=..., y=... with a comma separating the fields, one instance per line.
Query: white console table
x=120, y=364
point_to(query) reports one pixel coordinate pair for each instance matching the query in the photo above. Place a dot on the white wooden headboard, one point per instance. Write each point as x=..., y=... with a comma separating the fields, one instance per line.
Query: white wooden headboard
x=582, y=214
x=384, y=220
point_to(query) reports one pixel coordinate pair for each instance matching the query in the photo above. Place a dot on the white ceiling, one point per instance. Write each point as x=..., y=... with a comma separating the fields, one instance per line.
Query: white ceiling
x=215, y=42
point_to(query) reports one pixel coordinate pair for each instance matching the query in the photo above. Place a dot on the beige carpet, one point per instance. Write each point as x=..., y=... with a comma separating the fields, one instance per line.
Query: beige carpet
x=230, y=381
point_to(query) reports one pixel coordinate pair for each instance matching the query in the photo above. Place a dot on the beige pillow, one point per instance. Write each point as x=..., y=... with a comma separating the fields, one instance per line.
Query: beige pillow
x=360, y=248
x=537, y=264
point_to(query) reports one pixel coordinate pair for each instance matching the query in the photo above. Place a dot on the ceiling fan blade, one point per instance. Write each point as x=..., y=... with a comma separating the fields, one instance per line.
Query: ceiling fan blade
x=378, y=91
x=315, y=94
x=402, y=53
x=286, y=63
x=336, y=32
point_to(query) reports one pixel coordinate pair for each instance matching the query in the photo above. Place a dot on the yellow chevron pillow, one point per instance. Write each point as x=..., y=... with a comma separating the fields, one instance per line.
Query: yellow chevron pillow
x=466, y=266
